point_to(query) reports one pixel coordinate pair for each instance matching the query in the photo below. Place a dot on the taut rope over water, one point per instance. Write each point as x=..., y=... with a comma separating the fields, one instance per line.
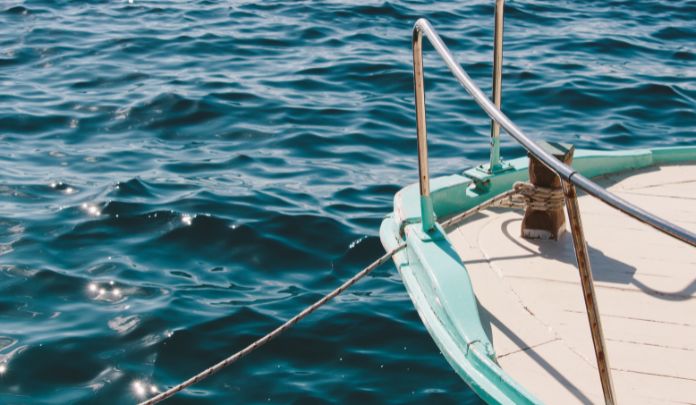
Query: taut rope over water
x=282, y=328
x=522, y=194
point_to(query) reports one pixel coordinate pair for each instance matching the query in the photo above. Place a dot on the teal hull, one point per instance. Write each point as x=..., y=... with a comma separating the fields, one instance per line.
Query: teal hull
x=437, y=281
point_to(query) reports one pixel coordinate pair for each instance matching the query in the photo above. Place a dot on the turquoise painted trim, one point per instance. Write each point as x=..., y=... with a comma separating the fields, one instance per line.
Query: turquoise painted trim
x=438, y=283
x=460, y=338
x=427, y=213
x=449, y=194
x=592, y=163
x=674, y=154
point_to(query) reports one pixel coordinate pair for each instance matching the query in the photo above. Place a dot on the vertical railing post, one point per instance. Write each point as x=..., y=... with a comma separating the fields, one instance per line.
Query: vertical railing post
x=585, y=270
x=497, y=82
x=427, y=213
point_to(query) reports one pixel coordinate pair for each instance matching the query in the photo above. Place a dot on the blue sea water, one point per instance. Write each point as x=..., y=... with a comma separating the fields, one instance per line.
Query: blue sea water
x=179, y=177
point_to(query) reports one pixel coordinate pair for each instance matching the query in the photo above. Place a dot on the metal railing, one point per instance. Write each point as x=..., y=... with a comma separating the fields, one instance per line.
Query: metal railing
x=569, y=177
x=497, y=81
x=566, y=172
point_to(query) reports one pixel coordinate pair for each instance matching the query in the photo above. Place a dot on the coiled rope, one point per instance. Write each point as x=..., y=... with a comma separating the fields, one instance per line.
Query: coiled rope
x=522, y=195
x=539, y=198
x=277, y=331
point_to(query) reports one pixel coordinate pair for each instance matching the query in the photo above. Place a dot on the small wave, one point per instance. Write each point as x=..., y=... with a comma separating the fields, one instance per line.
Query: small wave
x=17, y=10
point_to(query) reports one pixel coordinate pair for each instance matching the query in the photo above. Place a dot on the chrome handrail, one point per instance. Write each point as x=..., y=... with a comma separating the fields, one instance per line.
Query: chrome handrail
x=566, y=172
x=497, y=82
x=570, y=178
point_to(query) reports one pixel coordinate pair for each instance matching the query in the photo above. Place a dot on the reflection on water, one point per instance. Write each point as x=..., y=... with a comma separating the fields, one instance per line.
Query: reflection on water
x=142, y=389
x=59, y=185
x=186, y=219
x=107, y=291
x=124, y=324
x=91, y=209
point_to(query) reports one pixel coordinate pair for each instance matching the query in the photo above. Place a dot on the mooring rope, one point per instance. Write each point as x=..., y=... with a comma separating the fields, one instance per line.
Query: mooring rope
x=503, y=200
x=277, y=331
x=522, y=195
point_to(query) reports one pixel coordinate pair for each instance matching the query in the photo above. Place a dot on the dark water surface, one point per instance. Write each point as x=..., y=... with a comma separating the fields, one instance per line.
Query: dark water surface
x=179, y=177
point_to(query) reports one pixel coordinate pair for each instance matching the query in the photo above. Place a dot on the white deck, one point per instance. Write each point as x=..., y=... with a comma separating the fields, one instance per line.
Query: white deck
x=531, y=304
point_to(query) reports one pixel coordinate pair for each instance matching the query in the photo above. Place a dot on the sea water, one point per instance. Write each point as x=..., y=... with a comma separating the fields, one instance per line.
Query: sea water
x=179, y=177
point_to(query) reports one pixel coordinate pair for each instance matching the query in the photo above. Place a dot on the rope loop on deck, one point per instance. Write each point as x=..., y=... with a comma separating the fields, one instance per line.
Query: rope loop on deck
x=277, y=331
x=521, y=196
x=527, y=195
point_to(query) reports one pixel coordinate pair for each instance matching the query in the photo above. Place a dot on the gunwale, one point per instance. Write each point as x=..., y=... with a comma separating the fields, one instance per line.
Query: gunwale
x=439, y=284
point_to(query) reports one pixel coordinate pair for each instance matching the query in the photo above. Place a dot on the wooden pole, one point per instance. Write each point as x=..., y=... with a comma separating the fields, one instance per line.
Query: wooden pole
x=587, y=283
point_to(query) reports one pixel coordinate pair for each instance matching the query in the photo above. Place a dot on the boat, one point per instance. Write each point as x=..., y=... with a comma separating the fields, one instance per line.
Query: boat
x=567, y=276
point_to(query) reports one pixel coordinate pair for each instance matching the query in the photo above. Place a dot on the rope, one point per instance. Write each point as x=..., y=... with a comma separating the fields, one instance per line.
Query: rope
x=277, y=331
x=540, y=198
x=498, y=201
x=522, y=195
